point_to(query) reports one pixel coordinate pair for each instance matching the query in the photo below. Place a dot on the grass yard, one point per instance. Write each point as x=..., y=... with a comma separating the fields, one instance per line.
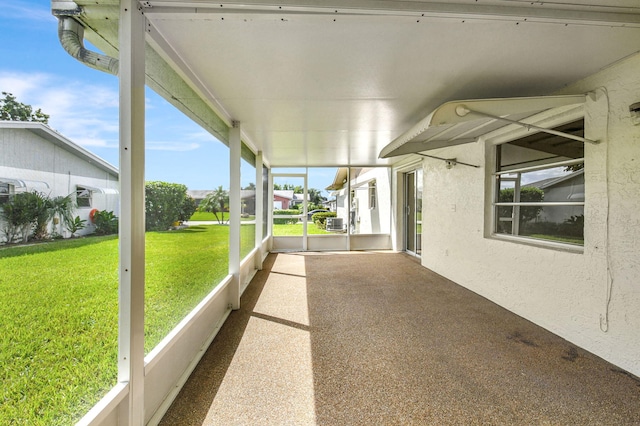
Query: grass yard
x=207, y=216
x=59, y=314
x=296, y=230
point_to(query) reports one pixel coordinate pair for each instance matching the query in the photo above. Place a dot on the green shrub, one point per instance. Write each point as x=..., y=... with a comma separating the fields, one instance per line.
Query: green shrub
x=106, y=223
x=527, y=194
x=320, y=218
x=188, y=208
x=21, y=214
x=285, y=221
x=163, y=204
x=75, y=224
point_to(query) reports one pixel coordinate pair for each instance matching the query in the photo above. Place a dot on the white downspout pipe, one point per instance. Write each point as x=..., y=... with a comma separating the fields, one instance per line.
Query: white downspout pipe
x=71, y=35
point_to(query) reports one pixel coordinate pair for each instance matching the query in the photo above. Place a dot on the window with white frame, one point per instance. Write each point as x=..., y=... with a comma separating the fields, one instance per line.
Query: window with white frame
x=372, y=194
x=5, y=191
x=539, y=187
x=83, y=197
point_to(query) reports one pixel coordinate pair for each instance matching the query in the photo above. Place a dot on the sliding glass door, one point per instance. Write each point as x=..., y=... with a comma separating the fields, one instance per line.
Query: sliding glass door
x=413, y=212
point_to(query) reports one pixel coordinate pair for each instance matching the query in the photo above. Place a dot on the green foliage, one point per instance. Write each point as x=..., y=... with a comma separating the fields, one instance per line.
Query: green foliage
x=41, y=209
x=285, y=221
x=293, y=230
x=571, y=230
x=21, y=214
x=59, y=343
x=75, y=224
x=315, y=199
x=187, y=209
x=320, y=218
x=163, y=202
x=315, y=195
x=28, y=213
x=217, y=203
x=527, y=194
x=61, y=208
x=106, y=223
x=12, y=110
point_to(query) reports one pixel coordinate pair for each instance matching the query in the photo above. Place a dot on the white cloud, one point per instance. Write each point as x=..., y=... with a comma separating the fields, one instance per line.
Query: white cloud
x=85, y=113
x=172, y=146
x=26, y=11
x=20, y=84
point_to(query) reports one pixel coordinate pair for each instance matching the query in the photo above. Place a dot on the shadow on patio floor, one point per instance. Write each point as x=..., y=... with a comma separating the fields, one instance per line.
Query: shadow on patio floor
x=374, y=338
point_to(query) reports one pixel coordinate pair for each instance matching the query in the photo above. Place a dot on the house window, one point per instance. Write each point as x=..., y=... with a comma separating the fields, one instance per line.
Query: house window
x=372, y=194
x=5, y=191
x=83, y=197
x=539, y=187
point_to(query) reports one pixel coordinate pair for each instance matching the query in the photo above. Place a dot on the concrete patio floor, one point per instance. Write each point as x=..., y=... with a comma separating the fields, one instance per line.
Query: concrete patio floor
x=373, y=338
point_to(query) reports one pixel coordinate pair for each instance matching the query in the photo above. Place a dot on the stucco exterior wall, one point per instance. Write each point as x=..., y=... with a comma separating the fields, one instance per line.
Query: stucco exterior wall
x=54, y=171
x=372, y=220
x=590, y=298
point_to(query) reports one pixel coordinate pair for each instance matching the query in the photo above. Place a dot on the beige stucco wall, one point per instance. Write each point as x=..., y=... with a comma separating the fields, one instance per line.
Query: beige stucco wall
x=566, y=292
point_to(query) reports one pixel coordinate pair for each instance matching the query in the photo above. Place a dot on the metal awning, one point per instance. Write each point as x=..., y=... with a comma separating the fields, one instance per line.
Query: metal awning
x=460, y=122
x=26, y=184
x=98, y=189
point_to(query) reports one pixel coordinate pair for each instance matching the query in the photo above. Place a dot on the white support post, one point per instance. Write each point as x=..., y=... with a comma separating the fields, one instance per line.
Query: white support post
x=132, y=210
x=270, y=210
x=235, y=148
x=259, y=209
x=305, y=209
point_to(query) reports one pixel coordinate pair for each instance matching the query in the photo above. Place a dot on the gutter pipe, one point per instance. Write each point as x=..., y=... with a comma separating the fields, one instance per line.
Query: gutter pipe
x=71, y=35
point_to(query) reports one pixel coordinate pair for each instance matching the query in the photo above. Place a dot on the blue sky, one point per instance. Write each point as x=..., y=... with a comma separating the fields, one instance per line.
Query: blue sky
x=83, y=102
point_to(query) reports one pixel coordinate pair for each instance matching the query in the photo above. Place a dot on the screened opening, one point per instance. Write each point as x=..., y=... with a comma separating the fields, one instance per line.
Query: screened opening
x=540, y=187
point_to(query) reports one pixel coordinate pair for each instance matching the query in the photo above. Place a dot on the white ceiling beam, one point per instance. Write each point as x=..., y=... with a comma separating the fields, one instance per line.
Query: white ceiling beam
x=516, y=11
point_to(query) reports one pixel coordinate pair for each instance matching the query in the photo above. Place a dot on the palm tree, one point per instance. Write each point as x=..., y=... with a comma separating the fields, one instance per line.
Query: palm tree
x=61, y=208
x=215, y=203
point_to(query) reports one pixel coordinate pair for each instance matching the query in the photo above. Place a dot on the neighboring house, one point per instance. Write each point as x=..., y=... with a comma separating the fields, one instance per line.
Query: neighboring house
x=37, y=158
x=363, y=200
x=282, y=199
x=561, y=189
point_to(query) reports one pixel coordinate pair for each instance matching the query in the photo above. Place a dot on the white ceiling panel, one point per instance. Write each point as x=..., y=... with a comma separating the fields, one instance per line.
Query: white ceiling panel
x=332, y=83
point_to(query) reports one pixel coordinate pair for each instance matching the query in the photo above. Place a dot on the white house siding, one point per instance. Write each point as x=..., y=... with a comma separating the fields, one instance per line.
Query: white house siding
x=563, y=291
x=55, y=171
x=366, y=220
x=376, y=220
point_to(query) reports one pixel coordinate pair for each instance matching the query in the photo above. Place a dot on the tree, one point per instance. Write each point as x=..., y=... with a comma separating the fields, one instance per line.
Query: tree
x=188, y=208
x=315, y=197
x=163, y=204
x=250, y=186
x=215, y=203
x=527, y=194
x=12, y=110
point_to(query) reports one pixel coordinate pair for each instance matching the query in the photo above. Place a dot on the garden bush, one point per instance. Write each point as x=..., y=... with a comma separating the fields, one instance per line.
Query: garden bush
x=320, y=218
x=285, y=221
x=164, y=203
x=106, y=223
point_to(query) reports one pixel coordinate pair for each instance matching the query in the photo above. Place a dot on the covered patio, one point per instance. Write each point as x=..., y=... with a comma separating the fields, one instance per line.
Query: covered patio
x=374, y=338
x=449, y=110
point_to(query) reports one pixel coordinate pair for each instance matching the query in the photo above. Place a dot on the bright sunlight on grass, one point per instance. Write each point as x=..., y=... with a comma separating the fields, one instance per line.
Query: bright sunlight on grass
x=58, y=348
x=296, y=230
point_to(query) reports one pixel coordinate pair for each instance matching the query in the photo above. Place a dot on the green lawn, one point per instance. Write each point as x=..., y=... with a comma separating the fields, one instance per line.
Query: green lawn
x=206, y=216
x=296, y=230
x=59, y=314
